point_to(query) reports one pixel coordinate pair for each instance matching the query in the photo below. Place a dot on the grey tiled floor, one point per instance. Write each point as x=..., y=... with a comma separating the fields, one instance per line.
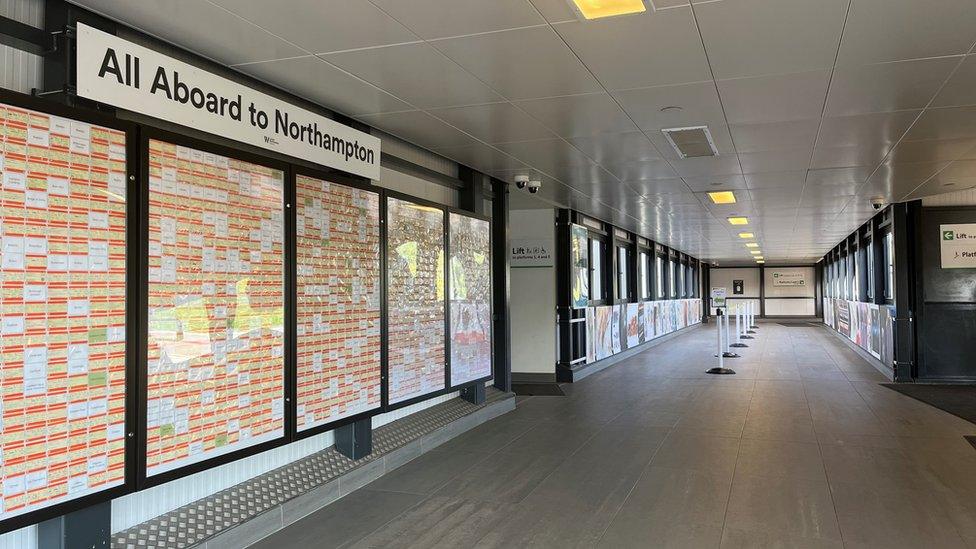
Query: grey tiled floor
x=801, y=448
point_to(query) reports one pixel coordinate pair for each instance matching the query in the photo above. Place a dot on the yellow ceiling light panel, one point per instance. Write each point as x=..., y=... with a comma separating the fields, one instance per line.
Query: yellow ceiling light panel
x=760, y=261
x=722, y=197
x=746, y=235
x=751, y=245
x=596, y=9
x=760, y=258
x=755, y=252
x=739, y=220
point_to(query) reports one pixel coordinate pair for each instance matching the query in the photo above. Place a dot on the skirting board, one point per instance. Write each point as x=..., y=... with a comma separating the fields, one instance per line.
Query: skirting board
x=529, y=377
x=572, y=375
x=888, y=372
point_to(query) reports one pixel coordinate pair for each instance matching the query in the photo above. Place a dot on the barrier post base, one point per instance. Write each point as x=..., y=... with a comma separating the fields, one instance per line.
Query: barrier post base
x=747, y=337
x=738, y=345
x=728, y=354
x=720, y=371
x=355, y=440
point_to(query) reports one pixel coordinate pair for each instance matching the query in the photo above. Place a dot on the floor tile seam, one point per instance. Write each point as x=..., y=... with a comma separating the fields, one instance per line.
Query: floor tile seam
x=823, y=462
x=630, y=492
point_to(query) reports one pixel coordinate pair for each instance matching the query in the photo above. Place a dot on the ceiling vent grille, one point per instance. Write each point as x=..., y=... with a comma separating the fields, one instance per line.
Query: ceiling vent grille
x=691, y=142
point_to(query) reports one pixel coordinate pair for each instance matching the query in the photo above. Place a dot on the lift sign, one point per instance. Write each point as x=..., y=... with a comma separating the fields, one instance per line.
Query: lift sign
x=958, y=246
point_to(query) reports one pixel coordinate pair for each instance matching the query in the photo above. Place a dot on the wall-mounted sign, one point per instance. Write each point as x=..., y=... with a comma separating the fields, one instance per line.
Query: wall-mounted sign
x=958, y=246
x=530, y=252
x=718, y=297
x=792, y=279
x=738, y=287
x=117, y=72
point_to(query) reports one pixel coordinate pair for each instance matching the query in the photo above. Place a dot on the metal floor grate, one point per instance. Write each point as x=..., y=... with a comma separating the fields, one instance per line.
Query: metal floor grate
x=196, y=522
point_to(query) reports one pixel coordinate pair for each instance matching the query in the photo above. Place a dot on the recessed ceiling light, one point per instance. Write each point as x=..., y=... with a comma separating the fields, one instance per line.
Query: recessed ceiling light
x=739, y=220
x=760, y=258
x=596, y=9
x=760, y=261
x=722, y=197
x=751, y=245
x=755, y=252
x=746, y=235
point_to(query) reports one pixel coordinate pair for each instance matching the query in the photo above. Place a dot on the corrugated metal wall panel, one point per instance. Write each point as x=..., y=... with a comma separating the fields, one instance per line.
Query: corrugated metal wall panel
x=965, y=197
x=399, y=148
x=21, y=71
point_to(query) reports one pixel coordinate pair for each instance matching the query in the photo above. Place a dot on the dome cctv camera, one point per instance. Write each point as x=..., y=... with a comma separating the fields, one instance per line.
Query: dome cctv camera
x=534, y=186
x=877, y=203
x=521, y=181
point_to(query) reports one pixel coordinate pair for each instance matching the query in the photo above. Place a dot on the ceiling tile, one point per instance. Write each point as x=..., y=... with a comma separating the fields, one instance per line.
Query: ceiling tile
x=545, y=154
x=698, y=105
x=890, y=30
x=554, y=10
x=201, y=27
x=777, y=98
x=887, y=87
x=717, y=183
x=420, y=128
x=777, y=136
x=934, y=149
x=944, y=123
x=494, y=122
x=776, y=180
x=960, y=90
x=776, y=161
x=868, y=155
x=838, y=176
x=647, y=169
x=579, y=115
x=616, y=148
x=707, y=166
x=481, y=157
x=659, y=48
x=521, y=64
x=320, y=26
x=303, y=76
x=443, y=18
x=416, y=73
x=860, y=130
x=757, y=37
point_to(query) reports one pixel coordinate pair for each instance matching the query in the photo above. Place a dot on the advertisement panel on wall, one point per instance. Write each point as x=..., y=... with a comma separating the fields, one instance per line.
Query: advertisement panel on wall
x=579, y=265
x=470, y=286
x=638, y=322
x=215, y=380
x=337, y=247
x=415, y=299
x=867, y=325
x=63, y=257
x=120, y=73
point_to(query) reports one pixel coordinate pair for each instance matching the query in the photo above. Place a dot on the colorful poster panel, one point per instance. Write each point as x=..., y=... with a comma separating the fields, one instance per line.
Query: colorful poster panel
x=216, y=306
x=590, y=335
x=470, y=287
x=415, y=296
x=337, y=244
x=579, y=265
x=633, y=323
x=62, y=309
x=603, y=332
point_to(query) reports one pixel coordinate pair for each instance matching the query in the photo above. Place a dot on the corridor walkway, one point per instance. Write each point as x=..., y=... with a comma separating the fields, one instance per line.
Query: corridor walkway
x=802, y=448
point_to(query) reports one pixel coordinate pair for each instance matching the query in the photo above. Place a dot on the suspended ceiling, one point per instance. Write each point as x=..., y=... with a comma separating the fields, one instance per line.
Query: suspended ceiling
x=815, y=106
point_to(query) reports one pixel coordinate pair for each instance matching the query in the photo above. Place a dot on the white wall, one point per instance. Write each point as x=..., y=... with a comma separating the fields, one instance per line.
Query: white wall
x=533, y=299
x=723, y=278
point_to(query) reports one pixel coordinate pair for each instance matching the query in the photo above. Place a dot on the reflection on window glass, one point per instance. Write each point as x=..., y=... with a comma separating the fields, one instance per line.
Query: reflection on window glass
x=642, y=276
x=216, y=306
x=659, y=276
x=889, y=242
x=622, y=289
x=596, y=269
x=337, y=234
x=672, y=279
x=470, y=286
x=415, y=296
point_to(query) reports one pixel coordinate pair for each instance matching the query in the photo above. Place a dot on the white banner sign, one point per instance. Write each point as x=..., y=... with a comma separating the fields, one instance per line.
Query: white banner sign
x=958, y=246
x=117, y=72
x=793, y=279
x=531, y=252
x=718, y=297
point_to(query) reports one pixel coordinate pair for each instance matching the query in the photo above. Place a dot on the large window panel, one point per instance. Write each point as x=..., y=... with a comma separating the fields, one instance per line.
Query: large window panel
x=337, y=235
x=216, y=306
x=62, y=311
x=415, y=297
x=470, y=287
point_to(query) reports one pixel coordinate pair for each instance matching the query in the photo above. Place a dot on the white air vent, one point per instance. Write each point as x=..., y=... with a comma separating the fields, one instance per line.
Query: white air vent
x=691, y=142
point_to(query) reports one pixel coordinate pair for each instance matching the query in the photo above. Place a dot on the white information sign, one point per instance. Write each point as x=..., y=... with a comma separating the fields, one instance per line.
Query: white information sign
x=792, y=279
x=117, y=72
x=958, y=246
x=531, y=252
x=718, y=297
